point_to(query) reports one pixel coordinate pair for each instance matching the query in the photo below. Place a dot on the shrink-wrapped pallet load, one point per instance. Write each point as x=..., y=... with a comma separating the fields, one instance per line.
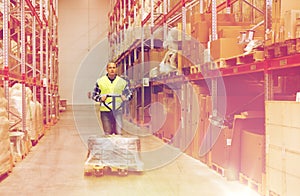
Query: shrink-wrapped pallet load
x=2, y=94
x=119, y=153
x=31, y=121
x=39, y=118
x=33, y=117
x=5, y=153
x=34, y=120
x=15, y=106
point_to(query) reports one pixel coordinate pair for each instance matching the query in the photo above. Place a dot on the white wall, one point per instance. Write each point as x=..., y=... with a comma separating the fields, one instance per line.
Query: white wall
x=92, y=66
x=82, y=31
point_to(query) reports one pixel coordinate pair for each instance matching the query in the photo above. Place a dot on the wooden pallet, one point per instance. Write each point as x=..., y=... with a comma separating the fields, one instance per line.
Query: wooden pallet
x=3, y=175
x=271, y=193
x=220, y=63
x=35, y=141
x=194, y=69
x=293, y=46
x=241, y=59
x=280, y=49
x=206, y=67
x=224, y=172
x=254, y=56
x=251, y=183
x=166, y=140
x=274, y=50
x=220, y=170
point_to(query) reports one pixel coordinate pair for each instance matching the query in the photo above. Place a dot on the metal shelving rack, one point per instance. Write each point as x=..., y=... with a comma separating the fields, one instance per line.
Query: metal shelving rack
x=248, y=84
x=30, y=53
x=155, y=19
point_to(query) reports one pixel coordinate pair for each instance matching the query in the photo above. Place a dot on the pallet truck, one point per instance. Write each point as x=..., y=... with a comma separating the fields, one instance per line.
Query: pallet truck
x=113, y=153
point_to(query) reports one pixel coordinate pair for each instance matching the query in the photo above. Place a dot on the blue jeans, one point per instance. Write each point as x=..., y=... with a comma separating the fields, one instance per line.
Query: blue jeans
x=112, y=122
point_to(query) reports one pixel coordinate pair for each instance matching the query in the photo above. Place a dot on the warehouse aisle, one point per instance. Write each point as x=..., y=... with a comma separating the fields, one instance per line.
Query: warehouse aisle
x=55, y=166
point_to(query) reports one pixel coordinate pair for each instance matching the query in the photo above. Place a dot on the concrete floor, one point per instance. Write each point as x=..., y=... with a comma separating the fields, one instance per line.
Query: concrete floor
x=55, y=167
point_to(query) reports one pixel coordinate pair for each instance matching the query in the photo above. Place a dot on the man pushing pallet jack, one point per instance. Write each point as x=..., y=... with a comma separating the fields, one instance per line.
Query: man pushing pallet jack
x=112, y=151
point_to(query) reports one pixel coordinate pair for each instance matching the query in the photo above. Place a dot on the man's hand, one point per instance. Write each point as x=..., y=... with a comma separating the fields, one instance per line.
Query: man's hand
x=123, y=98
x=103, y=98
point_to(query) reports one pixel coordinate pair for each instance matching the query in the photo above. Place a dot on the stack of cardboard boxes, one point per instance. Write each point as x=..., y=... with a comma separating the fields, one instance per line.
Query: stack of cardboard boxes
x=290, y=24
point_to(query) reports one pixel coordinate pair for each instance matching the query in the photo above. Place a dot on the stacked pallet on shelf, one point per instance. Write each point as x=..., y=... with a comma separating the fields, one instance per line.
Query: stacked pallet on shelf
x=284, y=48
x=19, y=138
x=34, y=120
x=290, y=21
x=282, y=148
x=165, y=115
x=297, y=27
x=252, y=171
x=5, y=152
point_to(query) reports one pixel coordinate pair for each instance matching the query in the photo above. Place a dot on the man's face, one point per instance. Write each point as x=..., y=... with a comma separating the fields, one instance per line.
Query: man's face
x=111, y=69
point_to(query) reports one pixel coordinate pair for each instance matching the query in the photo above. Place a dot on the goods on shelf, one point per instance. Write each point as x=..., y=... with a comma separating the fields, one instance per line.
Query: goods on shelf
x=298, y=97
x=252, y=155
x=5, y=153
x=225, y=47
x=282, y=148
x=62, y=105
x=147, y=6
x=15, y=105
x=230, y=150
x=290, y=19
x=35, y=44
x=168, y=63
x=200, y=113
x=223, y=19
x=167, y=57
x=220, y=152
x=34, y=121
x=282, y=29
x=200, y=31
x=2, y=94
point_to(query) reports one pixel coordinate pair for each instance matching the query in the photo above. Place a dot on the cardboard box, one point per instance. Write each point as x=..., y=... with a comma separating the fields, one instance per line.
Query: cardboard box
x=252, y=155
x=287, y=113
x=228, y=19
x=220, y=150
x=290, y=17
x=297, y=31
x=197, y=54
x=224, y=48
x=200, y=31
x=282, y=147
x=231, y=31
x=259, y=55
x=188, y=31
x=155, y=58
x=152, y=59
x=287, y=5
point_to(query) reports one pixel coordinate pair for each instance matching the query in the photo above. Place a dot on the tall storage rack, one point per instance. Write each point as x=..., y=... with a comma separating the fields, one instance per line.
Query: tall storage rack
x=248, y=84
x=30, y=56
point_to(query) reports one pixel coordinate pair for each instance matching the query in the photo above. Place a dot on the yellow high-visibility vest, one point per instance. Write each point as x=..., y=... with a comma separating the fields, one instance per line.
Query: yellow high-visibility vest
x=108, y=87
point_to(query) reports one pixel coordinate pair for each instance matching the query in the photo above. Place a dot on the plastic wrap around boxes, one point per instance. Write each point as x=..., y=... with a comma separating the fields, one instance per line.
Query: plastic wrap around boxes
x=34, y=120
x=5, y=153
x=119, y=153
